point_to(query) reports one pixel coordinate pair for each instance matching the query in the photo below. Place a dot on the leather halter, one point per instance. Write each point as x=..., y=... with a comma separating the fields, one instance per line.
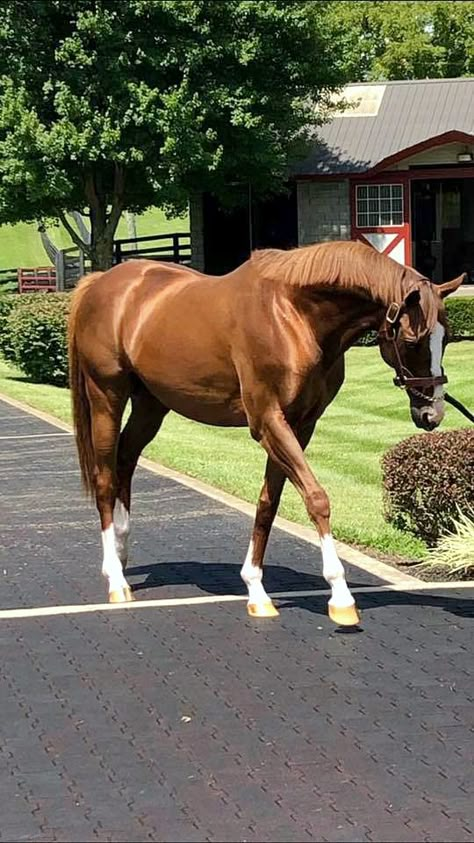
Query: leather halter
x=405, y=379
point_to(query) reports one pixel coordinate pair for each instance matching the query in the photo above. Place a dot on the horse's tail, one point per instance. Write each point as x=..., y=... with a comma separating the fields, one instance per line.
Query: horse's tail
x=80, y=402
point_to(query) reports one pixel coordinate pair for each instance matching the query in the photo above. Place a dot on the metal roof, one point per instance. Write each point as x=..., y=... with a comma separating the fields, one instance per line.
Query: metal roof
x=388, y=118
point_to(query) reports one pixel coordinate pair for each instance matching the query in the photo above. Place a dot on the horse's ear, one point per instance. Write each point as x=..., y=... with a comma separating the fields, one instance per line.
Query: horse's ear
x=419, y=311
x=444, y=290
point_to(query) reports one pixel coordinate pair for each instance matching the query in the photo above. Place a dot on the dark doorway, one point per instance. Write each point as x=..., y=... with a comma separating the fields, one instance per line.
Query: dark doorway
x=231, y=234
x=443, y=228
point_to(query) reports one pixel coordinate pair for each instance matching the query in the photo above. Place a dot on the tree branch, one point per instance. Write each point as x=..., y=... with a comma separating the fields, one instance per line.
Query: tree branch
x=91, y=193
x=73, y=234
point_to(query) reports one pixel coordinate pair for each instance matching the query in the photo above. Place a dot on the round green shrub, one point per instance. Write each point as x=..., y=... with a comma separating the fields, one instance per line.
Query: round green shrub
x=427, y=478
x=36, y=332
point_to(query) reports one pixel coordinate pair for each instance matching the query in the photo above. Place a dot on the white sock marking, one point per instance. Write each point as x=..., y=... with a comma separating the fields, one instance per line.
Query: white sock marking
x=333, y=573
x=122, y=530
x=111, y=564
x=436, y=410
x=252, y=576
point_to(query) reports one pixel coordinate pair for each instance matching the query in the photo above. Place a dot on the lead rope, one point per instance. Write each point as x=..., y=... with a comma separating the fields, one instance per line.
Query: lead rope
x=457, y=404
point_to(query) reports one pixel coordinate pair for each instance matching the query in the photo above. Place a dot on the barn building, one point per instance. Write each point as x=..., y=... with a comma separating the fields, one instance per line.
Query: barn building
x=395, y=170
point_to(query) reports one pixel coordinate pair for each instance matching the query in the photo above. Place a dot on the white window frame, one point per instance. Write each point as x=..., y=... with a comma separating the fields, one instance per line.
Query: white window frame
x=387, y=204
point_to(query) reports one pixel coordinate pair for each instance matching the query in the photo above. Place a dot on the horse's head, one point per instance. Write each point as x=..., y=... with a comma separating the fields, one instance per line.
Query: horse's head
x=412, y=340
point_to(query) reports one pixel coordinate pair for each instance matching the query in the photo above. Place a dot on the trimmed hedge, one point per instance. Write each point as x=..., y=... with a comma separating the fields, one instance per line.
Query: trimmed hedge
x=460, y=312
x=426, y=478
x=33, y=335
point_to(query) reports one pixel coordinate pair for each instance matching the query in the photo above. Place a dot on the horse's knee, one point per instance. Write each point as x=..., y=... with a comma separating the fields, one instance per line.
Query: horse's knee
x=318, y=505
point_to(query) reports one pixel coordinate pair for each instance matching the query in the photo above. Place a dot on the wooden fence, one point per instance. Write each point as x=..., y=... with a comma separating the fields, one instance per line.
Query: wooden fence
x=174, y=247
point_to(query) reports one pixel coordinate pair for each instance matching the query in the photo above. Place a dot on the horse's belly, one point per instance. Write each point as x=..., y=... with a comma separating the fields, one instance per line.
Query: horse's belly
x=203, y=404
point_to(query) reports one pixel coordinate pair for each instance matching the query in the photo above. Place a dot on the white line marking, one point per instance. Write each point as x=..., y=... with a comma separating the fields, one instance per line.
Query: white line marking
x=88, y=608
x=34, y=435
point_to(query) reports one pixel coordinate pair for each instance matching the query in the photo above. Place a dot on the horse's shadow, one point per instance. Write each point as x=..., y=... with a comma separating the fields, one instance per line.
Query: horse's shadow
x=222, y=578
x=219, y=578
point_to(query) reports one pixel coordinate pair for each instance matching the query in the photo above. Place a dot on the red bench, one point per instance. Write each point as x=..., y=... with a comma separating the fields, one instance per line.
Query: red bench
x=37, y=279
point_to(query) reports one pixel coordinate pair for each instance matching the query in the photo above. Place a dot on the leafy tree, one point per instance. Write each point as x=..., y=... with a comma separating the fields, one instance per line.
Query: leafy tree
x=114, y=106
x=405, y=40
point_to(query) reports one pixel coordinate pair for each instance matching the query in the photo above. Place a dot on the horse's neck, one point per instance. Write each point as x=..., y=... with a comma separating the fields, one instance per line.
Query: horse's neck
x=341, y=316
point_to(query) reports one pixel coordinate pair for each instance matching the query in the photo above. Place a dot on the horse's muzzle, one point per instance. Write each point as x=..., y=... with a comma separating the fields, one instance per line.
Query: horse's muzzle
x=427, y=417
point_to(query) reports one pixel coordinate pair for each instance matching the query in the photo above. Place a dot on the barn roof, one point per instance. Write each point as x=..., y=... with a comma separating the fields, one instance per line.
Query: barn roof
x=389, y=118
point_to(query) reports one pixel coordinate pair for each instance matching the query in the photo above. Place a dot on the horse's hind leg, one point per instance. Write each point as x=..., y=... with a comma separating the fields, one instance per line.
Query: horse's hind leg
x=142, y=426
x=259, y=603
x=107, y=402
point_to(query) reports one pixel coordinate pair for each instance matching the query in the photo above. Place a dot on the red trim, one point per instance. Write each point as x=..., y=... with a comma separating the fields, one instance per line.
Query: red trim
x=441, y=173
x=438, y=140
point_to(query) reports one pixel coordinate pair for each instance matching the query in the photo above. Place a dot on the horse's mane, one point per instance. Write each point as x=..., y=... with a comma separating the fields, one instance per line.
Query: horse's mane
x=347, y=265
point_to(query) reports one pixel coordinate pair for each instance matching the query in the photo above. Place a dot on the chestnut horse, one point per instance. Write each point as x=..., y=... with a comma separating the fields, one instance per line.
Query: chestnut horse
x=261, y=347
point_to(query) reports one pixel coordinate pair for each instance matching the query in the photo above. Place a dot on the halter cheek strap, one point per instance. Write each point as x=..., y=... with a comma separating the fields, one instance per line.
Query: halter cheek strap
x=405, y=379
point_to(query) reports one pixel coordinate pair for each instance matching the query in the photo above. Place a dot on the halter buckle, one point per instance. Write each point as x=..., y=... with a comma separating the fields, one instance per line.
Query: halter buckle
x=393, y=313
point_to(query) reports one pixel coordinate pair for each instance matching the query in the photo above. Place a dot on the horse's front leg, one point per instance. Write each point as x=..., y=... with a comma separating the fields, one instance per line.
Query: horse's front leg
x=259, y=603
x=275, y=435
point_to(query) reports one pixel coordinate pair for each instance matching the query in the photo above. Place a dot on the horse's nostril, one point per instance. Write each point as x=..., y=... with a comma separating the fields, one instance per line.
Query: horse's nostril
x=427, y=420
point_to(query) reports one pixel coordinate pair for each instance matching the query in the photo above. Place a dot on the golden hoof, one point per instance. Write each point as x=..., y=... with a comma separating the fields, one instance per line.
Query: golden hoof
x=344, y=616
x=121, y=595
x=262, y=610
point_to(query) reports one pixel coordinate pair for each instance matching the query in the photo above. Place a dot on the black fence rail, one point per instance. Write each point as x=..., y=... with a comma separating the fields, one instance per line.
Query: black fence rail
x=174, y=247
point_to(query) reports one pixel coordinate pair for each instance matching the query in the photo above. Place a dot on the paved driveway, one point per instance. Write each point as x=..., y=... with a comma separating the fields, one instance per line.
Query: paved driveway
x=191, y=722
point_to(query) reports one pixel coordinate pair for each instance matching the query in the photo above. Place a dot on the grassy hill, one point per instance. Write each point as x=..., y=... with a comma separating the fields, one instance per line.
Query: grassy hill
x=20, y=245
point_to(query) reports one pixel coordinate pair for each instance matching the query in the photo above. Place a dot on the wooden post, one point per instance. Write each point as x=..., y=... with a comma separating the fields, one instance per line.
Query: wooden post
x=60, y=265
x=176, y=248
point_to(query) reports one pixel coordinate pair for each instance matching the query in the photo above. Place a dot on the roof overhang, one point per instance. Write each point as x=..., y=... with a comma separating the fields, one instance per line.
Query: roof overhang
x=453, y=136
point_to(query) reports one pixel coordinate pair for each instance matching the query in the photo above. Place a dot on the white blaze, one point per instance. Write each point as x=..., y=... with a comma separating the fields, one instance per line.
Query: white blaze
x=436, y=412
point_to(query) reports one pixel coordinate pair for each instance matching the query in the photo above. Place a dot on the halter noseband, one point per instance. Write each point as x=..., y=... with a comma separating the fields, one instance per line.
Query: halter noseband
x=405, y=379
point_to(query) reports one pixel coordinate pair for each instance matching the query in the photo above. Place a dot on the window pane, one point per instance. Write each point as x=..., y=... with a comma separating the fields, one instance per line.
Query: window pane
x=385, y=205
x=386, y=219
x=362, y=191
x=396, y=190
x=396, y=204
x=397, y=218
x=373, y=190
x=385, y=190
x=362, y=220
x=373, y=219
x=373, y=205
x=362, y=206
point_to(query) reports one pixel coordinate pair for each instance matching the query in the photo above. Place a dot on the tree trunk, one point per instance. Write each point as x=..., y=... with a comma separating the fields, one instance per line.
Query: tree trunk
x=102, y=251
x=103, y=223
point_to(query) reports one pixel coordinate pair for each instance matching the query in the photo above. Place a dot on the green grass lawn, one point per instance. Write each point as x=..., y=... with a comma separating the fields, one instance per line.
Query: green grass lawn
x=20, y=245
x=367, y=417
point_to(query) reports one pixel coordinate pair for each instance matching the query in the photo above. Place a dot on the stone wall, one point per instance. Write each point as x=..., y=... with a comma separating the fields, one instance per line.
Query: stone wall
x=323, y=211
